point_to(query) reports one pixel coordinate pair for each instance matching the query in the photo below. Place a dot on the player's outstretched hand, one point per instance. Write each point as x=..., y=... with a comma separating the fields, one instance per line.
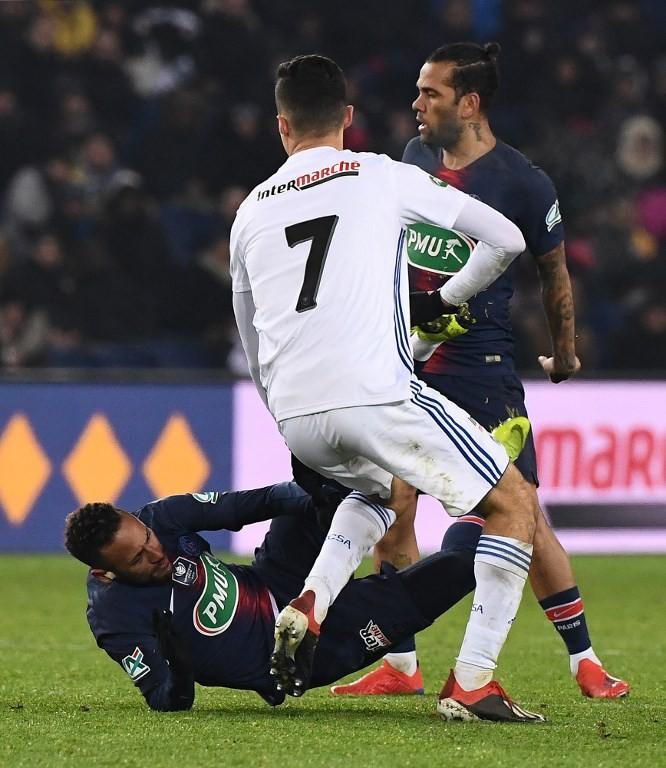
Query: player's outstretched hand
x=557, y=370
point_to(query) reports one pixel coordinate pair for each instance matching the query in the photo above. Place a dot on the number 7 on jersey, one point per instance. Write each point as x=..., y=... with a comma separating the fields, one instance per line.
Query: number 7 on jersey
x=320, y=231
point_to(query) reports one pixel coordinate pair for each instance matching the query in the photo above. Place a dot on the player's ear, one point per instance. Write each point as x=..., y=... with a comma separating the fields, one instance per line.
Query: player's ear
x=469, y=105
x=283, y=125
x=349, y=116
x=102, y=575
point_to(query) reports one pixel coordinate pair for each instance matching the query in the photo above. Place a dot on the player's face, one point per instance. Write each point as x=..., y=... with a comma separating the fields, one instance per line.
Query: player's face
x=437, y=111
x=135, y=554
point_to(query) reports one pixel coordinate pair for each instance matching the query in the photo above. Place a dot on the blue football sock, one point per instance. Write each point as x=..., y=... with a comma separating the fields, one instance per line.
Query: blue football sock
x=565, y=610
x=463, y=534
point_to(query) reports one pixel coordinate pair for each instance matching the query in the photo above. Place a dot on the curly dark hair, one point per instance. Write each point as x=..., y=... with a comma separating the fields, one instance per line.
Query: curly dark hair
x=90, y=528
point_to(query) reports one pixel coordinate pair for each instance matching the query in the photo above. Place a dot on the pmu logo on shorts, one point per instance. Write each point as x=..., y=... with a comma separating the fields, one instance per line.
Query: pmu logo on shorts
x=373, y=637
x=308, y=180
x=134, y=665
x=215, y=609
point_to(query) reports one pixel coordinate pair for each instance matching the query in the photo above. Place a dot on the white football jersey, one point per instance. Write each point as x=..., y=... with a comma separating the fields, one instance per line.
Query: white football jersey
x=319, y=245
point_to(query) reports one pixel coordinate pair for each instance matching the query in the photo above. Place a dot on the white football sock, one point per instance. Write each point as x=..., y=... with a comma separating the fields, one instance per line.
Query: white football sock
x=576, y=658
x=357, y=525
x=500, y=568
x=404, y=662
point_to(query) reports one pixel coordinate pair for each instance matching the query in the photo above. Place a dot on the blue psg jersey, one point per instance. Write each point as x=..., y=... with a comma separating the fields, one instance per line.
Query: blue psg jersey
x=508, y=182
x=224, y=614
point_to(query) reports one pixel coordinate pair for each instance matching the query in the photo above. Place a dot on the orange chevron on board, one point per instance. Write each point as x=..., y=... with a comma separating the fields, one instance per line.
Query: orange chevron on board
x=176, y=464
x=97, y=468
x=24, y=468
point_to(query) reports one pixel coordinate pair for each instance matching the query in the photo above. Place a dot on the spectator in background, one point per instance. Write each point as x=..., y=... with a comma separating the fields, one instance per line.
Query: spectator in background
x=107, y=85
x=47, y=284
x=14, y=134
x=32, y=200
x=134, y=251
x=166, y=60
x=74, y=25
x=23, y=334
x=640, y=342
x=97, y=172
x=177, y=147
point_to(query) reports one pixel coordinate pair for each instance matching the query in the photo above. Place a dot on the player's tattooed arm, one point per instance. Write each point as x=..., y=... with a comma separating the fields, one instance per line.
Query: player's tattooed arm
x=557, y=298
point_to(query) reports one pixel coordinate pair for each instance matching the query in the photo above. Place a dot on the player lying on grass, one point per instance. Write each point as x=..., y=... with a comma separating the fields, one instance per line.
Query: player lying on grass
x=171, y=614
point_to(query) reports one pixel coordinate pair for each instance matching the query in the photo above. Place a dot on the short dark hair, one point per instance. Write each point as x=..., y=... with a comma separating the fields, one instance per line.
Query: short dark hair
x=312, y=90
x=476, y=69
x=89, y=529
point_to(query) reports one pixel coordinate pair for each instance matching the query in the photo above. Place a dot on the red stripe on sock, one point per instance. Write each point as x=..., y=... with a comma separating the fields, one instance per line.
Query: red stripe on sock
x=566, y=611
x=472, y=519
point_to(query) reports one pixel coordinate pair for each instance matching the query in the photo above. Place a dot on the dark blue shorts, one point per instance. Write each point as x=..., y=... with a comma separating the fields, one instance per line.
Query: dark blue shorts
x=369, y=616
x=490, y=400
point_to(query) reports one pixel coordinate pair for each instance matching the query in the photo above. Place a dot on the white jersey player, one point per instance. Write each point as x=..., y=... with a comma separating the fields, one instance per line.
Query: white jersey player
x=321, y=300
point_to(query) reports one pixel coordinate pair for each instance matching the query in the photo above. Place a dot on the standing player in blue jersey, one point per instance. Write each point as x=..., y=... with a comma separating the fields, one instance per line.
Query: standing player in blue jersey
x=170, y=613
x=471, y=356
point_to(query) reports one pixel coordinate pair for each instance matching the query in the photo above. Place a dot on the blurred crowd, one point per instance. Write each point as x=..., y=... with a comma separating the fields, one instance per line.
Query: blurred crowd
x=131, y=130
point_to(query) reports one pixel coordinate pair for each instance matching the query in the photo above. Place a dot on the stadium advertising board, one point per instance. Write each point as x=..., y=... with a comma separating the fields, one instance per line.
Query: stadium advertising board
x=601, y=448
x=602, y=463
x=62, y=445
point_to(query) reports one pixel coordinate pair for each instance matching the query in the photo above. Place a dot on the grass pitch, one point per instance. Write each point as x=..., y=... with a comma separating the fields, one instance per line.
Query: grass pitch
x=64, y=703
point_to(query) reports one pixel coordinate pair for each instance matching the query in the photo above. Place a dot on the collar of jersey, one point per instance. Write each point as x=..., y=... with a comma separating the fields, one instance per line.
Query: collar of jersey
x=309, y=153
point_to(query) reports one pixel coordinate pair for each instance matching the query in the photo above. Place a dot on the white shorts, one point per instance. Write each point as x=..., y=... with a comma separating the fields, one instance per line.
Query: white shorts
x=428, y=441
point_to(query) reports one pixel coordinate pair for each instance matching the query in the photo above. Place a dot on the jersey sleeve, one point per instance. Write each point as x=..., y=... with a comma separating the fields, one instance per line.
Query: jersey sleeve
x=540, y=220
x=141, y=658
x=212, y=511
x=424, y=198
x=240, y=281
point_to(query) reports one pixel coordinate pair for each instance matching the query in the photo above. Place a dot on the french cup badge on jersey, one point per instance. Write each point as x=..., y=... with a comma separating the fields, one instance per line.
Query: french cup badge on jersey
x=184, y=572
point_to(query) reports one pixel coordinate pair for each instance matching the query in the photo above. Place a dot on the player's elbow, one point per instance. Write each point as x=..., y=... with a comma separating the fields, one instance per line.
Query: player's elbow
x=516, y=242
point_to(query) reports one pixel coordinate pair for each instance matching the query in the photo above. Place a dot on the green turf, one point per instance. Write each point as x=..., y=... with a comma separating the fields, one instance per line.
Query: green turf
x=63, y=702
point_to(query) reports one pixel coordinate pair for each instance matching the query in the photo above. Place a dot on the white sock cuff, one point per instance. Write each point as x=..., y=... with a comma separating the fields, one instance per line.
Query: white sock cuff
x=506, y=553
x=576, y=658
x=382, y=516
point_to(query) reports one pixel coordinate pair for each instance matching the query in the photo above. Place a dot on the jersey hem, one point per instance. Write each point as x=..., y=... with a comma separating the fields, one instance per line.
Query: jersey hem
x=395, y=396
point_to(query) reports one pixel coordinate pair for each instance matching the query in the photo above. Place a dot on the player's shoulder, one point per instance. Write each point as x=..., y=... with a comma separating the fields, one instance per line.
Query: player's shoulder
x=521, y=166
x=419, y=153
x=366, y=159
x=115, y=607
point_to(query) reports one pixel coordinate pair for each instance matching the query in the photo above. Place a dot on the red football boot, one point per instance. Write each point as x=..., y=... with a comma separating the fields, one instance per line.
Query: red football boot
x=385, y=680
x=596, y=683
x=487, y=703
